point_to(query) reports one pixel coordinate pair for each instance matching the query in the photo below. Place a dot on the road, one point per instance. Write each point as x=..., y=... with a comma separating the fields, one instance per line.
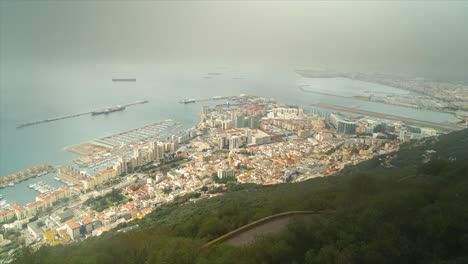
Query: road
x=269, y=225
x=249, y=236
x=447, y=127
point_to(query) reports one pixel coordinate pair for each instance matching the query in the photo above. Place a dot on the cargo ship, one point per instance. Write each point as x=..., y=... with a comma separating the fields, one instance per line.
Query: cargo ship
x=124, y=79
x=108, y=110
x=188, y=101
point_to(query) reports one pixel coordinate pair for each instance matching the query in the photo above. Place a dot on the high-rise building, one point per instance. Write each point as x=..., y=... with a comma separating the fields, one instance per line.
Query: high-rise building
x=235, y=142
x=226, y=124
x=151, y=149
x=159, y=152
x=123, y=164
x=206, y=110
x=222, y=141
x=239, y=121
x=342, y=125
x=137, y=156
x=254, y=121
x=225, y=173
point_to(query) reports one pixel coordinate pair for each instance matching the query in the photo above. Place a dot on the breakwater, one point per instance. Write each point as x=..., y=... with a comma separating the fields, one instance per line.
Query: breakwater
x=71, y=116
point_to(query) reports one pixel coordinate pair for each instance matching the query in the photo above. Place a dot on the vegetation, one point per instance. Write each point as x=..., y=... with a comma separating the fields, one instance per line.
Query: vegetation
x=165, y=165
x=100, y=203
x=410, y=212
x=14, y=236
x=224, y=180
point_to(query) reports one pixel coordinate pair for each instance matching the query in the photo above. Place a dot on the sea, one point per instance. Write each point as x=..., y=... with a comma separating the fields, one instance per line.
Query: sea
x=31, y=92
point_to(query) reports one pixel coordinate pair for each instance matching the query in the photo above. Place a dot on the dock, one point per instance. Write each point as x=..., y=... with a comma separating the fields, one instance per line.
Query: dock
x=446, y=127
x=71, y=116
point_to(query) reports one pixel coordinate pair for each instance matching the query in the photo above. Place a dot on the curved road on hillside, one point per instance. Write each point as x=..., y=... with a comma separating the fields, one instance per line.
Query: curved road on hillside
x=269, y=225
x=249, y=236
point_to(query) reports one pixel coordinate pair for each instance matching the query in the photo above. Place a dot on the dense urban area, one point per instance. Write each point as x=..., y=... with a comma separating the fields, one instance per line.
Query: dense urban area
x=248, y=140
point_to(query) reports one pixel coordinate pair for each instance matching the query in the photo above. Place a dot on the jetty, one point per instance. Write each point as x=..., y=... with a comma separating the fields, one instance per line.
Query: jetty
x=121, y=107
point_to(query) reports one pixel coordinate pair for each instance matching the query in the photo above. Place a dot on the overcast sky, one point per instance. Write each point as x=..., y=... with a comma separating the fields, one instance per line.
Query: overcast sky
x=419, y=37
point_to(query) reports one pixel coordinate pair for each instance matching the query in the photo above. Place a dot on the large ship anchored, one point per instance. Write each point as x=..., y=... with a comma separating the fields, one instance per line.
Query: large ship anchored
x=124, y=79
x=109, y=110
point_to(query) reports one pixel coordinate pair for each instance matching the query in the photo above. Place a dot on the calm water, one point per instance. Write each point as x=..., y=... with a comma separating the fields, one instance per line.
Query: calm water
x=37, y=92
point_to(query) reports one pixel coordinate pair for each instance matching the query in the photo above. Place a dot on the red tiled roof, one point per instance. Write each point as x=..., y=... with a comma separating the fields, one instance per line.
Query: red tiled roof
x=43, y=197
x=17, y=207
x=87, y=220
x=72, y=224
x=33, y=204
x=105, y=171
x=5, y=212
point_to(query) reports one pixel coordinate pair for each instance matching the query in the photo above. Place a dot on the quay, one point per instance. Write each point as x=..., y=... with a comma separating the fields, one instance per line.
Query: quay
x=11, y=179
x=71, y=116
x=447, y=127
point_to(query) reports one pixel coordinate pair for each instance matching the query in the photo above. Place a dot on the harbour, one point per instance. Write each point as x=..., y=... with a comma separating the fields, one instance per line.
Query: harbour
x=39, y=144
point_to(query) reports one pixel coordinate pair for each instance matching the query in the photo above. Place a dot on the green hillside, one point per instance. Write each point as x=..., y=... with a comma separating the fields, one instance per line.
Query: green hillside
x=392, y=209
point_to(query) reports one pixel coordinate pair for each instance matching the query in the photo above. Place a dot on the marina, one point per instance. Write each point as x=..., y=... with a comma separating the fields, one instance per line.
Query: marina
x=102, y=111
x=41, y=187
x=139, y=134
x=64, y=181
x=4, y=205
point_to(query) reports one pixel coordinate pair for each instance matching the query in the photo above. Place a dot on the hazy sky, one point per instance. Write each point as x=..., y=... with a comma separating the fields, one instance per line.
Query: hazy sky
x=420, y=37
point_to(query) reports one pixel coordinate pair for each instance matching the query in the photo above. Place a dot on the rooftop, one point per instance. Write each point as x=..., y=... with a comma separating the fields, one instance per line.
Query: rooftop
x=73, y=224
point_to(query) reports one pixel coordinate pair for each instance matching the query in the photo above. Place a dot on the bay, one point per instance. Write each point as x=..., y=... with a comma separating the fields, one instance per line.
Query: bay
x=31, y=92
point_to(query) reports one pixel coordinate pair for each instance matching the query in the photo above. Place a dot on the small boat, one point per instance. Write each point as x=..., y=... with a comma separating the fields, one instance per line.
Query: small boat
x=11, y=184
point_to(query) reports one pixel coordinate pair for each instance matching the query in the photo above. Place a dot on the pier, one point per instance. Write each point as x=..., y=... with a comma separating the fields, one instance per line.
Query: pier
x=71, y=116
x=447, y=127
